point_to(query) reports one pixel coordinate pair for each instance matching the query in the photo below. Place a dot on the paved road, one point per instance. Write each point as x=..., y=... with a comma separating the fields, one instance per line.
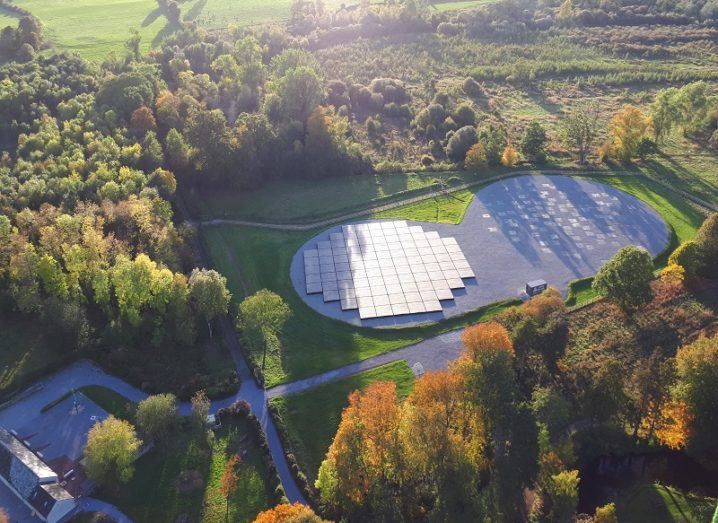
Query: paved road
x=431, y=354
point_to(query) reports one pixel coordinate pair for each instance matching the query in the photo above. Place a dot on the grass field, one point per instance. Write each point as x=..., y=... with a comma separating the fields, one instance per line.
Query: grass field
x=655, y=503
x=253, y=259
x=310, y=430
x=25, y=352
x=296, y=200
x=152, y=495
x=94, y=28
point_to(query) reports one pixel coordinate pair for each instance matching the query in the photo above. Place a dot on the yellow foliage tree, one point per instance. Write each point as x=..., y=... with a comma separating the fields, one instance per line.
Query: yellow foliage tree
x=626, y=130
x=476, y=158
x=510, y=156
x=671, y=424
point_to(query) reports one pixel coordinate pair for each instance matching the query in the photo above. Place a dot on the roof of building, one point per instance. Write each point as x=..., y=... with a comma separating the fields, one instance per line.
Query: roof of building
x=25, y=456
x=28, y=475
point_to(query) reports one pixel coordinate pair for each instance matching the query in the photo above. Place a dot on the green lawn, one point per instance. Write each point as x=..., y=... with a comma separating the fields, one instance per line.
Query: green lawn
x=25, y=352
x=686, y=166
x=310, y=428
x=655, y=503
x=310, y=200
x=253, y=259
x=110, y=401
x=152, y=495
x=448, y=208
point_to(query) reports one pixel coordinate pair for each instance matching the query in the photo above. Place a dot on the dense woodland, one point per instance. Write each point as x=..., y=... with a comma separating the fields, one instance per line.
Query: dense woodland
x=99, y=158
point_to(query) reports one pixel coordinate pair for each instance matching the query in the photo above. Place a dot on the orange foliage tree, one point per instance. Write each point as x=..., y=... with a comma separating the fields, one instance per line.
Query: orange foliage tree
x=296, y=513
x=230, y=476
x=143, y=120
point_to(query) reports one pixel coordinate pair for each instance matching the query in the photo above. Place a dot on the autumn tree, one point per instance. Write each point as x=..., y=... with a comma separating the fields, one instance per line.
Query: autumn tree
x=562, y=493
x=649, y=390
x=209, y=294
x=285, y=513
x=4, y=518
x=261, y=319
x=510, y=156
x=230, y=477
x=111, y=451
x=476, y=160
x=697, y=387
x=626, y=130
x=156, y=415
x=707, y=238
x=690, y=256
x=626, y=278
x=605, y=514
x=143, y=120
x=364, y=471
x=579, y=129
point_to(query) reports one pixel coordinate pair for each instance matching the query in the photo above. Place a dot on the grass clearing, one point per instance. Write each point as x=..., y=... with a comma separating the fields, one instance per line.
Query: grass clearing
x=152, y=494
x=656, y=503
x=310, y=200
x=254, y=259
x=311, y=430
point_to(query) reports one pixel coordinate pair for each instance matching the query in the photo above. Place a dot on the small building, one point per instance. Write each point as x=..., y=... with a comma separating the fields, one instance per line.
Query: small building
x=536, y=287
x=32, y=481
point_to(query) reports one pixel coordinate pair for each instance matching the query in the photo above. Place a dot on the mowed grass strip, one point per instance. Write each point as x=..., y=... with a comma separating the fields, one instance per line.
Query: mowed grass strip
x=311, y=418
x=254, y=259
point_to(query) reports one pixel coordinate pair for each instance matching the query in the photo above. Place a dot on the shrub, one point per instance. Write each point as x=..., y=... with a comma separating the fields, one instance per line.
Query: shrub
x=688, y=255
x=472, y=88
x=626, y=278
x=464, y=114
x=476, y=158
x=460, y=143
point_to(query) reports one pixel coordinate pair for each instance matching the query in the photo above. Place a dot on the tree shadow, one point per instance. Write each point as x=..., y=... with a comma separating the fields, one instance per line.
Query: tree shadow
x=165, y=32
x=195, y=11
x=151, y=17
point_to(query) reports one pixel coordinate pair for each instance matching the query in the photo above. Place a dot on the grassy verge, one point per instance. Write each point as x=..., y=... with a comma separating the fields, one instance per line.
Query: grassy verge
x=152, y=495
x=655, y=503
x=309, y=431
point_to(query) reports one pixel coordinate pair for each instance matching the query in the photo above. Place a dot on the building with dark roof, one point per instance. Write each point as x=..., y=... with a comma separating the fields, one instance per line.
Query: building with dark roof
x=31, y=480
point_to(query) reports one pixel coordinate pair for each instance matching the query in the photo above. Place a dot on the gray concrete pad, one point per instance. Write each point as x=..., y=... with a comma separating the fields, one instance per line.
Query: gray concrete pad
x=555, y=228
